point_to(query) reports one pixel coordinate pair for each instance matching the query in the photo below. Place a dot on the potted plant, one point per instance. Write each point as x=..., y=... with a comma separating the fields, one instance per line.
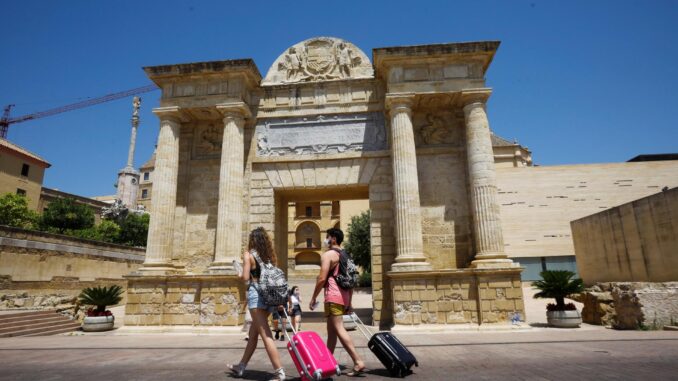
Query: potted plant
x=97, y=317
x=558, y=284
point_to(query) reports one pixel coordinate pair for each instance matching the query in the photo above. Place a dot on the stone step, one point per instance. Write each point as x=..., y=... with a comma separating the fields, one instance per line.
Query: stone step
x=24, y=314
x=20, y=326
x=55, y=331
x=32, y=320
x=32, y=331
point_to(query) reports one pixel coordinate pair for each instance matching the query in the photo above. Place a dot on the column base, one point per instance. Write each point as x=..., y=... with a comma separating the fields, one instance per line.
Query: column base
x=411, y=266
x=493, y=261
x=222, y=268
x=160, y=269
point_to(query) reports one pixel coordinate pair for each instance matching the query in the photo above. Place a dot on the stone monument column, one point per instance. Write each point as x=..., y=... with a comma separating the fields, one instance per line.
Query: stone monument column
x=231, y=187
x=163, y=203
x=407, y=209
x=487, y=233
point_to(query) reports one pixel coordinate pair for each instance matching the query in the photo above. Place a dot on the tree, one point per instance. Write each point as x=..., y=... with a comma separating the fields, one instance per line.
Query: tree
x=66, y=214
x=134, y=229
x=14, y=212
x=358, y=244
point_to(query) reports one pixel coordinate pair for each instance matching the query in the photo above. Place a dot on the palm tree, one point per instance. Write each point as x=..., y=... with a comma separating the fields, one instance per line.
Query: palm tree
x=558, y=284
x=101, y=297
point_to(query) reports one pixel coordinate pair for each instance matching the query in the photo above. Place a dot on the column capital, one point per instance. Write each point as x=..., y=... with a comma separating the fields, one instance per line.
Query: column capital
x=399, y=102
x=474, y=98
x=234, y=110
x=174, y=113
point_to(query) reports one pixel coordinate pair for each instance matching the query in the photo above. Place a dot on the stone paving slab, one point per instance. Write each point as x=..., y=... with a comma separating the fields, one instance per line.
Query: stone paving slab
x=533, y=355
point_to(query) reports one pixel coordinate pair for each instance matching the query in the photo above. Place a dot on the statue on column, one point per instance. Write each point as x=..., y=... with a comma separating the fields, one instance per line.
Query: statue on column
x=136, y=103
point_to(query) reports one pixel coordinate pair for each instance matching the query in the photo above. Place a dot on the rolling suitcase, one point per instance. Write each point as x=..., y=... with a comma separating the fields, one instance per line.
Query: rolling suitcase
x=313, y=359
x=389, y=350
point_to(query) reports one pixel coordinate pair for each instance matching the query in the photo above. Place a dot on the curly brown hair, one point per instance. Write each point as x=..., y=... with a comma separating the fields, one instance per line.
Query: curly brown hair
x=261, y=242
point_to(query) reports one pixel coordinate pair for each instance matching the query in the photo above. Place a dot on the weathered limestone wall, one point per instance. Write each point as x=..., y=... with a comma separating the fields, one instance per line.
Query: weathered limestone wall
x=446, y=218
x=631, y=305
x=538, y=203
x=46, y=270
x=465, y=296
x=200, y=300
x=634, y=242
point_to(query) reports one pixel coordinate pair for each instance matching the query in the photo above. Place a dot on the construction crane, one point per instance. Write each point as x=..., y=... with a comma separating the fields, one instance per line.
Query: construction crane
x=6, y=120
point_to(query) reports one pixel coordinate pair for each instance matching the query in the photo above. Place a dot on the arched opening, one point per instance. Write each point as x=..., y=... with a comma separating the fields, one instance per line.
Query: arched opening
x=307, y=236
x=307, y=258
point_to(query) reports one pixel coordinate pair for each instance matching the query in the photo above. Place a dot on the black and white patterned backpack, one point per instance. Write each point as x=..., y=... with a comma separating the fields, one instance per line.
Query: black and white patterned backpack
x=347, y=277
x=272, y=285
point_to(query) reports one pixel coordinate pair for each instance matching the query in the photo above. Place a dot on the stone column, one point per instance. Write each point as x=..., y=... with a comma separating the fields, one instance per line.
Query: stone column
x=407, y=210
x=163, y=203
x=231, y=187
x=487, y=233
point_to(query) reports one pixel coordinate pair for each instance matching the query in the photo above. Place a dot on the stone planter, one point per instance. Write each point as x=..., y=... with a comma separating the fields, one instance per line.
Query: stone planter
x=98, y=323
x=564, y=319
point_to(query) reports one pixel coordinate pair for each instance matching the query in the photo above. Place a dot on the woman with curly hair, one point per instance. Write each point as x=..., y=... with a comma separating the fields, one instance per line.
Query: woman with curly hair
x=259, y=246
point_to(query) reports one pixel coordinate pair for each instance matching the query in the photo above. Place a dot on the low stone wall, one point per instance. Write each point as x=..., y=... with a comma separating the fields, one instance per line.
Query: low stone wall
x=631, y=305
x=195, y=300
x=633, y=242
x=464, y=296
x=47, y=271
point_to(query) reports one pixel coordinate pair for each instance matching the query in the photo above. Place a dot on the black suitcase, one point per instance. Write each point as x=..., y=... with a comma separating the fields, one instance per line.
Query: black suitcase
x=389, y=350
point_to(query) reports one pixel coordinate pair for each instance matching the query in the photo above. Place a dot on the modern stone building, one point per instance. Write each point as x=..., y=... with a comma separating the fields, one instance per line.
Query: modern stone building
x=408, y=132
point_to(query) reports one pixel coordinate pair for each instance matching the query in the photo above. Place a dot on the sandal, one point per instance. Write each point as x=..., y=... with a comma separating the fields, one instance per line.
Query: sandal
x=357, y=372
x=238, y=369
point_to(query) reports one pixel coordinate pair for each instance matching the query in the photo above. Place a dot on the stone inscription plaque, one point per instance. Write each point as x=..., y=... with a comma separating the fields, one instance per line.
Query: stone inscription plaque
x=321, y=134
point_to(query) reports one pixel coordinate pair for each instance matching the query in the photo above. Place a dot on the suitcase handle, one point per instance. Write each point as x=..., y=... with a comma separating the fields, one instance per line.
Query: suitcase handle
x=361, y=326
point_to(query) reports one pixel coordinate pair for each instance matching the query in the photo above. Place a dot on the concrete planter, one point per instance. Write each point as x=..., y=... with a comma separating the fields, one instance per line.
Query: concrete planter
x=98, y=323
x=564, y=319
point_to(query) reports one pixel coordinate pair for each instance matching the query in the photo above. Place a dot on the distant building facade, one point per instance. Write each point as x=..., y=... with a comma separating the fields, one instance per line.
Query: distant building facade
x=21, y=172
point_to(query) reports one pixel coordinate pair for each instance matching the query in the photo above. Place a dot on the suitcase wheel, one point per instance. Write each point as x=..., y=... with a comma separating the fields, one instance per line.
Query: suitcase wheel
x=338, y=370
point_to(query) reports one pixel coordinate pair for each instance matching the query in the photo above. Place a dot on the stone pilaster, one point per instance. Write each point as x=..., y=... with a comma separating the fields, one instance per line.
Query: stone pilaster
x=487, y=233
x=231, y=187
x=407, y=209
x=163, y=203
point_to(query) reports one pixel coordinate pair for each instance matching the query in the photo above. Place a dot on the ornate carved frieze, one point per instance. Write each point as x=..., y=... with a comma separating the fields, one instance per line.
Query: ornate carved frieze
x=439, y=128
x=321, y=134
x=319, y=59
x=207, y=141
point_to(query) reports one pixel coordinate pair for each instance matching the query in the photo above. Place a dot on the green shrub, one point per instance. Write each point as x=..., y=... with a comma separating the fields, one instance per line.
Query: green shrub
x=14, y=212
x=66, y=214
x=134, y=230
x=358, y=241
x=365, y=279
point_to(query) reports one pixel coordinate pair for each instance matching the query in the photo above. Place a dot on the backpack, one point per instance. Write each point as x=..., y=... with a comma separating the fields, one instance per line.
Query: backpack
x=347, y=277
x=272, y=285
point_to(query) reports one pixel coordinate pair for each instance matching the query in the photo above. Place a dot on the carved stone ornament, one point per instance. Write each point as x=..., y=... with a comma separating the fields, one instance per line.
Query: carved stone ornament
x=436, y=129
x=207, y=141
x=319, y=59
x=321, y=134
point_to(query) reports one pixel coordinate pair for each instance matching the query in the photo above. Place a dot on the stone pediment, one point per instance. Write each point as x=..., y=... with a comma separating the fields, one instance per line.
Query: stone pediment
x=319, y=59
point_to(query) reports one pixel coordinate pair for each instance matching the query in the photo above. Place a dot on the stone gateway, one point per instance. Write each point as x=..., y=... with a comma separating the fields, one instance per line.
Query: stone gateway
x=409, y=133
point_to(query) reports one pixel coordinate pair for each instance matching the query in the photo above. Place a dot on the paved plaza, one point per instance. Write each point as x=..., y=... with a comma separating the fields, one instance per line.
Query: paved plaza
x=539, y=354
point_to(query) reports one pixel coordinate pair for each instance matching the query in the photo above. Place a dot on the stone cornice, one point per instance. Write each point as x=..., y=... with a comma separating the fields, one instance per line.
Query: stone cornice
x=238, y=108
x=452, y=273
x=399, y=101
x=171, y=112
x=245, y=65
x=409, y=53
x=471, y=96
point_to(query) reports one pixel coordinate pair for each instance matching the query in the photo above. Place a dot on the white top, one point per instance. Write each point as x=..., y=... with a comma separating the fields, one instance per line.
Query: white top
x=294, y=299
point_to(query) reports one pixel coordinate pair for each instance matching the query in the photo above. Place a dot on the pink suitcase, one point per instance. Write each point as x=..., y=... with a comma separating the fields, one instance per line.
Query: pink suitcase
x=311, y=356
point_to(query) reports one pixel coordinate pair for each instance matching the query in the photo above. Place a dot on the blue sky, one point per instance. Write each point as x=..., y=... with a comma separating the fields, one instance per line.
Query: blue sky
x=575, y=81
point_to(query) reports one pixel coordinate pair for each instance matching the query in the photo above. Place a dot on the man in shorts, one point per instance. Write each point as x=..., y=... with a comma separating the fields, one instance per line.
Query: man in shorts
x=337, y=299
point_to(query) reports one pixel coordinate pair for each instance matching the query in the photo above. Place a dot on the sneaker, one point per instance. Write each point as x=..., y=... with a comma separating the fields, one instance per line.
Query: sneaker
x=279, y=375
x=238, y=369
x=277, y=335
x=282, y=337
